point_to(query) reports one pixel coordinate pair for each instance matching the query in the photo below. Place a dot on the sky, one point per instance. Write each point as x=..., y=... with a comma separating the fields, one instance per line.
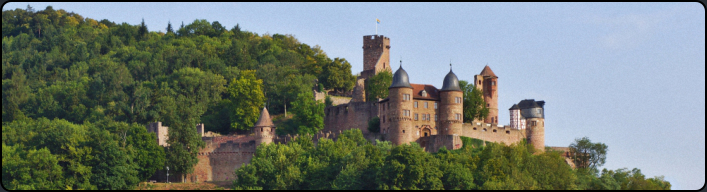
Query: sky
x=629, y=75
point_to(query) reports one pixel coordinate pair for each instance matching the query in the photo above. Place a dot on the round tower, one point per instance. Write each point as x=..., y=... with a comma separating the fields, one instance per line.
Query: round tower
x=400, y=99
x=535, y=126
x=264, y=129
x=451, y=106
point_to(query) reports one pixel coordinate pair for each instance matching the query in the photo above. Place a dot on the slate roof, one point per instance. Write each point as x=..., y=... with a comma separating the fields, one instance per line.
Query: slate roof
x=400, y=79
x=451, y=83
x=530, y=103
x=515, y=106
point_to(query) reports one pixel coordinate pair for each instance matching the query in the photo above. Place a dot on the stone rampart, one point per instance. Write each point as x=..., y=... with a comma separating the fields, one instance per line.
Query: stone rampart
x=434, y=142
x=492, y=133
x=221, y=157
x=351, y=115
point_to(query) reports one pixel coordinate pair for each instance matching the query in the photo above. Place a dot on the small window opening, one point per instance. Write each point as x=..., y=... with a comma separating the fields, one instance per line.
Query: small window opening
x=494, y=130
x=474, y=128
x=508, y=132
x=484, y=129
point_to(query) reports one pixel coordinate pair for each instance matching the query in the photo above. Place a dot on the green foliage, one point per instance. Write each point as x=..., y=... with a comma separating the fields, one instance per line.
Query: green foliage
x=374, y=125
x=588, y=155
x=246, y=97
x=377, y=86
x=328, y=101
x=337, y=75
x=474, y=104
x=308, y=115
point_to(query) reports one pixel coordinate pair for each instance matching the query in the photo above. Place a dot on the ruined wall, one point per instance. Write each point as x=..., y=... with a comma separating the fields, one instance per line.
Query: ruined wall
x=493, y=133
x=348, y=116
x=221, y=157
x=434, y=142
x=160, y=131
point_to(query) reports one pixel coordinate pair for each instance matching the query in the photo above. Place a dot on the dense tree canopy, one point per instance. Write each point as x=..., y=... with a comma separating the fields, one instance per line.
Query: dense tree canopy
x=353, y=163
x=474, y=104
x=377, y=86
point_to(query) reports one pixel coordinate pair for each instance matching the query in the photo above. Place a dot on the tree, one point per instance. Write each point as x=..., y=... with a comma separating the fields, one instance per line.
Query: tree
x=588, y=155
x=474, y=104
x=142, y=31
x=377, y=86
x=169, y=27
x=308, y=114
x=409, y=167
x=337, y=75
x=246, y=96
x=374, y=125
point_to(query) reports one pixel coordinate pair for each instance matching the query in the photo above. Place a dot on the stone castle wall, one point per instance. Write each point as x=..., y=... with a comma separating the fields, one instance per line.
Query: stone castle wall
x=434, y=142
x=492, y=133
x=221, y=157
x=348, y=116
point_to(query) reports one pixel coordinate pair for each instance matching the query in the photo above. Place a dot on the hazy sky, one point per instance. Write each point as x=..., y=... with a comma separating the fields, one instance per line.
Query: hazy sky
x=630, y=75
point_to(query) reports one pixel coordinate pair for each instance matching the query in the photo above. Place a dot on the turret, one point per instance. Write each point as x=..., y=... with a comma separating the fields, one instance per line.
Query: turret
x=451, y=106
x=400, y=115
x=264, y=129
x=533, y=113
x=486, y=81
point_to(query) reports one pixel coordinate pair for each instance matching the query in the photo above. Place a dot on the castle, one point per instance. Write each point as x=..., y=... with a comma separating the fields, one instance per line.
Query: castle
x=411, y=113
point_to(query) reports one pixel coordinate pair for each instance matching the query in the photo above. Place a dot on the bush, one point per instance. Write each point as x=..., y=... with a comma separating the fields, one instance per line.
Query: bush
x=374, y=125
x=328, y=101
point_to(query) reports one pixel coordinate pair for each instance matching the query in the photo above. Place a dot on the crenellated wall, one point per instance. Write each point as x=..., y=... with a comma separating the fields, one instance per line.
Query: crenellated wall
x=493, y=133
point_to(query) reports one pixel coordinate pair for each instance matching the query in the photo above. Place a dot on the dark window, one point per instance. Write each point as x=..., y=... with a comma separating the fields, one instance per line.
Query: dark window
x=508, y=132
x=494, y=130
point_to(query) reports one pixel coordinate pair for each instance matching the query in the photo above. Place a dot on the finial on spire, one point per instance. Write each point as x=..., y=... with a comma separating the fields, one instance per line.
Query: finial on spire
x=401, y=61
x=450, y=64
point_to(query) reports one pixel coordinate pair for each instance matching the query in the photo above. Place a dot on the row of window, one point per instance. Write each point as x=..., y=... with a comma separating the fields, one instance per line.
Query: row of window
x=426, y=105
x=425, y=117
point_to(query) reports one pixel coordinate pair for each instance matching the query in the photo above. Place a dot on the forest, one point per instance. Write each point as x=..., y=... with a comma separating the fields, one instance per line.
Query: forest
x=77, y=94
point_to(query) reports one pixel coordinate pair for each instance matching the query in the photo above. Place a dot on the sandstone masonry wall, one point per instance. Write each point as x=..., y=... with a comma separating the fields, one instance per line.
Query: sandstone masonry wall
x=493, y=133
x=348, y=116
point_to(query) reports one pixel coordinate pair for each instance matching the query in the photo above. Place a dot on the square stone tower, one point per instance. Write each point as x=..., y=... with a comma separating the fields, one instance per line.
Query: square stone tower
x=376, y=55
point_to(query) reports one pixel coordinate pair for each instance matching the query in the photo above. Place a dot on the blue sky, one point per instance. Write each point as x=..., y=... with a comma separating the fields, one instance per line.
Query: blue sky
x=630, y=75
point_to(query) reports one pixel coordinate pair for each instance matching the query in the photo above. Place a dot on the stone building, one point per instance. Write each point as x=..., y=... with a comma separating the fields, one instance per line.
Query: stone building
x=411, y=113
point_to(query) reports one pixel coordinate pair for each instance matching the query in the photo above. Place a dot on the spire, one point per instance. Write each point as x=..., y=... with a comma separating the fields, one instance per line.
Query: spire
x=487, y=72
x=264, y=119
x=450, y=65
x=401, y=62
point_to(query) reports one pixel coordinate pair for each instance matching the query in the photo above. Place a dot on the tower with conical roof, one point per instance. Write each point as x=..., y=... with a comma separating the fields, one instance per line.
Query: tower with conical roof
x=400, y=99
x=451, y=105
x=264, y=129
x=487, y=81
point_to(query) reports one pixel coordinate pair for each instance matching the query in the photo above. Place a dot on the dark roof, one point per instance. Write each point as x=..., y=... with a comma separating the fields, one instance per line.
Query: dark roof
x=515, y=106
x=432, y=92
x=451, y=83
x=400, y=79
x=530, y=103
x=487, y=72
x=264, y=120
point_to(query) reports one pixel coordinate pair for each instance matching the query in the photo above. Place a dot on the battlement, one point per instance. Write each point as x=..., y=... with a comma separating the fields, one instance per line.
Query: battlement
x=493, y=132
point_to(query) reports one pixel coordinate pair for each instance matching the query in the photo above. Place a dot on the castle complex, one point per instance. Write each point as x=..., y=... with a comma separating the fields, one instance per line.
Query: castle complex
x=412, y=113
